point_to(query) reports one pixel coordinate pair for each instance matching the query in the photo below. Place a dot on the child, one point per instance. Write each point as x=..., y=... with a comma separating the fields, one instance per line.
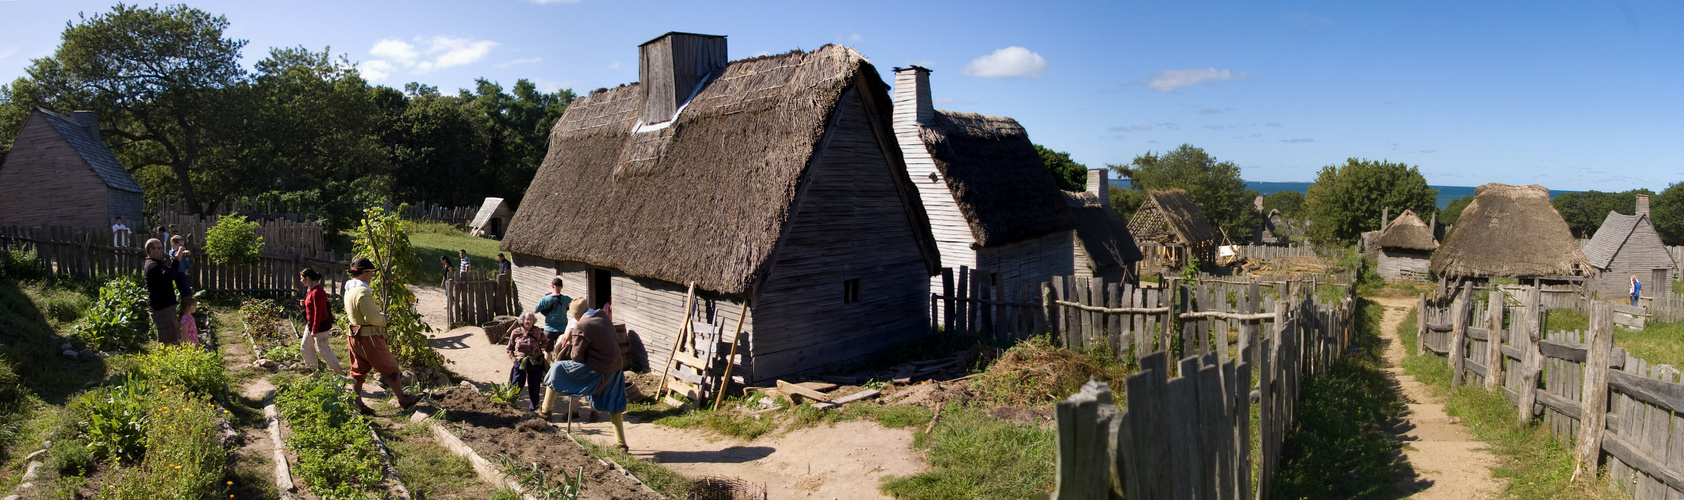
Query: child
x=189, y=329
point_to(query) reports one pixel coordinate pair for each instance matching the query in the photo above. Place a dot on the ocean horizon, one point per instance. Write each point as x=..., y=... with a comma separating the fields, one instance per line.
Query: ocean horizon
x=1445, y=193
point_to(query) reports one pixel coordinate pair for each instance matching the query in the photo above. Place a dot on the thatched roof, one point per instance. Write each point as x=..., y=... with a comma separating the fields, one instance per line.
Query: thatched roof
x=997, y=178
x=487, y=209
x=1101, y=231
x=706, y=198
x=1509, y=231
x=91, y=148
x=1171, y=215
x=1611, y=237
x=1407, y=232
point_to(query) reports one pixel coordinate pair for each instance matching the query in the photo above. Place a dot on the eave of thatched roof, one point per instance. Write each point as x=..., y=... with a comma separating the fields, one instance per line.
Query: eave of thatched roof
x=708, y=197
x=1509, y=231
x=998, y=180
x=1101, y=231
x=1407, y=232
x=1183, y=215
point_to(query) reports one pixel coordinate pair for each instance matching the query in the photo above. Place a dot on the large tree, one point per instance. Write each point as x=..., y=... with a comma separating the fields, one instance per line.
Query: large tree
x=1584, y=211
x=1071, y=176
x=1215, y=186
x=1348, y=199
x=159, y=79
x=1452, y=211
x=1667, y=211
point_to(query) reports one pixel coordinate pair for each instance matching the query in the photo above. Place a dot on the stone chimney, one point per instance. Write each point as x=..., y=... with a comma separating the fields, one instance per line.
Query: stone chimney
x=1642, y=204
x=1100, y=185
x=88, y=120
x=912, y=95
x=671, y=69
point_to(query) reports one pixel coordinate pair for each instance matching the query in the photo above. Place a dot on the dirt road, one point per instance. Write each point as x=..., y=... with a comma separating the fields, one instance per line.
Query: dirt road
x=1450, y=463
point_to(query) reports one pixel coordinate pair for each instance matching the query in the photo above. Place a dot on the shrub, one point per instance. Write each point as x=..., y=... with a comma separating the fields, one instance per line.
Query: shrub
x=233, y=240
x=118, y=320
x=266, y=324
x=336, y=454
x=182, y=367
x=70, y=458
x=115, y=421
x=19, y=264
x=184, y=455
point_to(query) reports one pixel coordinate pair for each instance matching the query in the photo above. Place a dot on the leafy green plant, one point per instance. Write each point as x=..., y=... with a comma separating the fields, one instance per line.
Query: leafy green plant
x=18, y=263
x=383, y=238
x=538, y=482
x=184, y=455
x=336, y=453
x=116, y=421
x=233, y=240
x=1190, y=271
x=183, y=367
x=504, y=393
x=70, y=458
x=266, y=326
x=118, y=320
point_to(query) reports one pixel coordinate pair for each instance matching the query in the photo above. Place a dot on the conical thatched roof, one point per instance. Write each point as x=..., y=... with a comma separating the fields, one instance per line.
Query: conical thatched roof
x=1509, y=231
x=997, y=178
x=708, y=197
x=1407, y=232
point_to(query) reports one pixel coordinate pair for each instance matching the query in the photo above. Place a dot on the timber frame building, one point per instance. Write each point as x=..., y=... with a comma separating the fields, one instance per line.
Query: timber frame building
x=71, y=177
x=1626, y=246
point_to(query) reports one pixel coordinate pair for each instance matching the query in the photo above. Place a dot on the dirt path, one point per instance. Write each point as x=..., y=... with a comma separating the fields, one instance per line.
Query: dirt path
x=1449, y=462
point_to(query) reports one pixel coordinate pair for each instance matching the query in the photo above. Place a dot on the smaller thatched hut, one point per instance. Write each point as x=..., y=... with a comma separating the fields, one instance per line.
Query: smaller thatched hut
x=492, y=218
x=1510, y=231
x=1405, y=248
x=1104, y=246
x=1170, y=230
x=1626, y=246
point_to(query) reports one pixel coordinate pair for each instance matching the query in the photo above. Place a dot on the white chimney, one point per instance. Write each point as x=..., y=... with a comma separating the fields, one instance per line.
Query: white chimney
x=671, y=68
x=88, y=120
x=1642, y=204
x=912, y=95
x=1100, y=185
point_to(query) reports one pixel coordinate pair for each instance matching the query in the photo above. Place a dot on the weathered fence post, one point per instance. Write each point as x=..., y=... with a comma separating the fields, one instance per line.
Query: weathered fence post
x=1459, y=334
x=1527, y=340
x=1421, y=325
x=1593, y=409
x=1084, y=461
x=1049, y=311
x=1494, y=341
x=947, y=299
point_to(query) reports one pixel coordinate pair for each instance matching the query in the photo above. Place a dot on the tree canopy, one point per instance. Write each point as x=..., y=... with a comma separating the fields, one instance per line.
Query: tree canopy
x=1215, y=186
x=1667, y=212
x=1452, y=211
x=1290, y=203
x=1071, y=176
x=1347, y=200
x=1584, y=211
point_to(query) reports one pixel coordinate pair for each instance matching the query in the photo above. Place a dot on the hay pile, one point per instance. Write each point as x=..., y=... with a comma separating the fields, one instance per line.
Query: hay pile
x=1034, y=374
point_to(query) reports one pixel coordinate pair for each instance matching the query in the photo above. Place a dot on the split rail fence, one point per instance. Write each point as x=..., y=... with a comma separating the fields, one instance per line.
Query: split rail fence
x=1185, y=430
x=1611, y=404
x=86, y=253
x=478, y=297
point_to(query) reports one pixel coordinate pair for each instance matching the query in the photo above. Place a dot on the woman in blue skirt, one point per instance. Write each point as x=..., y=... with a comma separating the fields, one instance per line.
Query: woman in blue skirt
x=590, y=365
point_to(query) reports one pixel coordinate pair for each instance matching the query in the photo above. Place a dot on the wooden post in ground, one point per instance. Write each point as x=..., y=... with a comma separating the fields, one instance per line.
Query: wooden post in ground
x=1459, y=334
x=1421, y=325
x=1084, y=463
x=1494, y=342
x=1527, y=340
x=947, y=300
x=1593, y=410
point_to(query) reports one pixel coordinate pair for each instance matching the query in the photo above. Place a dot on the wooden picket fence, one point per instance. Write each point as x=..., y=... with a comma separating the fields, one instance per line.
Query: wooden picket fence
x=478, y=297
x=1610, y=403
x=1186, y=431
x=435, y=212
x=1269, y=252
x=280, y=236
x=86, y=253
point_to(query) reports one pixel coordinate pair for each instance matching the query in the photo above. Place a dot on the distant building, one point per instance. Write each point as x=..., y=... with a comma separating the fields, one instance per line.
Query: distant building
x=1171, y=230
x=1626, y=246
x=1104, y=247
x=1405, y=248
x=61, y=174
x=1510, y=231
x=491, y=220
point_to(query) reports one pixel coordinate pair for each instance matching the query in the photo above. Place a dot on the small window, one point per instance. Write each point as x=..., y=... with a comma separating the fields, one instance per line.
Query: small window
x=850, y=291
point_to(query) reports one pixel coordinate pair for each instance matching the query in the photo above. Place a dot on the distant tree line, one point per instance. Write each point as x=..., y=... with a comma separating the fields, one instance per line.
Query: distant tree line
x=303, y=128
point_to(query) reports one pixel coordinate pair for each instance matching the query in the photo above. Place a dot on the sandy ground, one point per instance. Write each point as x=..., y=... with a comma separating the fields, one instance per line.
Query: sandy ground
x=844, y=461
x=1449, y=462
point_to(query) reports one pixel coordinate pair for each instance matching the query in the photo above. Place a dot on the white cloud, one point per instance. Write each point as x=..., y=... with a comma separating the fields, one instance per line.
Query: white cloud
x=7, y=52
x=376, y=70
x=528, y=60
x=1008, y=62
x=1165, y=81
x=549, y=85
x=855, y=37
x=427, y=54
x=616, y=65
x=1297, y=140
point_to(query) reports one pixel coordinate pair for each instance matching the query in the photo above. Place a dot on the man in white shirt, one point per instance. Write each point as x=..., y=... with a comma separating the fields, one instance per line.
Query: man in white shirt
x=119, y=234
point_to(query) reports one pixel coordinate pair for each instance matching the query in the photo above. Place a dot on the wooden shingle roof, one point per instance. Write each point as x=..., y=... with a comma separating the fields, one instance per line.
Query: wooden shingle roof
x=93, y=151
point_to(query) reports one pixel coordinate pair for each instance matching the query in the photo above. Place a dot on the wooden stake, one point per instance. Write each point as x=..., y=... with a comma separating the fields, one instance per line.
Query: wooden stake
x=1593, y=411
x=736, y=338
x=689, y=301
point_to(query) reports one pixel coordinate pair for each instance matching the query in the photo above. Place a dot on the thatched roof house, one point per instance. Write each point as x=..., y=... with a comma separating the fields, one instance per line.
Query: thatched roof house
x=1104, y=246
x=492, y=218
x=993, y=204
x=1626, y=246
x=1509, y=231
x=1171, y=228
x=1405, y=247
x=773, y=181
x=71, y=178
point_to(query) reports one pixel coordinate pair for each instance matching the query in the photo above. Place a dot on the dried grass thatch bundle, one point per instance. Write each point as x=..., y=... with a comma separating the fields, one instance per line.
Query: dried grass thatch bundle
x=1102, y=232
x=998, y=180
x=1509, y=231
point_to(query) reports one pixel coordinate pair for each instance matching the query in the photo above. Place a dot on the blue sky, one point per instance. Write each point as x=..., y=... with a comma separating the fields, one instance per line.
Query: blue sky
x=1571, y=95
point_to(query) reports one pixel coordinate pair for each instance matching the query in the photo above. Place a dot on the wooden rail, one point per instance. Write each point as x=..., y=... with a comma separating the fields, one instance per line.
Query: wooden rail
x=85, y=253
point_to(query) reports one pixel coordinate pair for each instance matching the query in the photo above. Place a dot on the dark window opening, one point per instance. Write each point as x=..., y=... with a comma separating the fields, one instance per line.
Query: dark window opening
x=600, y=287
x=851, y=291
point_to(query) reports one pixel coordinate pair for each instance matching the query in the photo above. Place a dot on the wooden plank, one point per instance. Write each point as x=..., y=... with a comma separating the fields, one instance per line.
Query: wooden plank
x=868, y=393
x=1664, y=395
x=1494, y=341
x=796, y=390
x=1181, y=401
x=1630, y=453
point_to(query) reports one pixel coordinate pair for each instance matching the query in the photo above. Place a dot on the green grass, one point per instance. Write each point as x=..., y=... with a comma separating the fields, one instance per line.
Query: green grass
x=1659, y=343
x=974, y=455
x=661, y=479
x=1536, y=463
x=432, y=240
x=427, y=468
x=1565, y=320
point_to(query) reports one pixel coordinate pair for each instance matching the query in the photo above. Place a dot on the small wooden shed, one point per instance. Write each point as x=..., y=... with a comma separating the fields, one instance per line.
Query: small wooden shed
x=491, y=220
x=1171, y=229
x=1510, y=231
x=1626, y=246
x=66, y=175
x=1405, y=248
x=1104, y=247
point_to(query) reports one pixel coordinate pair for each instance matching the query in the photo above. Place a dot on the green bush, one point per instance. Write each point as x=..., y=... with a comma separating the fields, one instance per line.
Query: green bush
x=184, y=456
x=383, y=238
x=118, y=321
x=115, y=420
x=182, y=367
x=70, y=458
x=233, y=240
x=19, y=264
x=336, y=454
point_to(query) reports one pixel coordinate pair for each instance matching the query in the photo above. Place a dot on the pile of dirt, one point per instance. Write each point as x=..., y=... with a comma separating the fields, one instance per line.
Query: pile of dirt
x=1035, y=374
x=493, y=428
